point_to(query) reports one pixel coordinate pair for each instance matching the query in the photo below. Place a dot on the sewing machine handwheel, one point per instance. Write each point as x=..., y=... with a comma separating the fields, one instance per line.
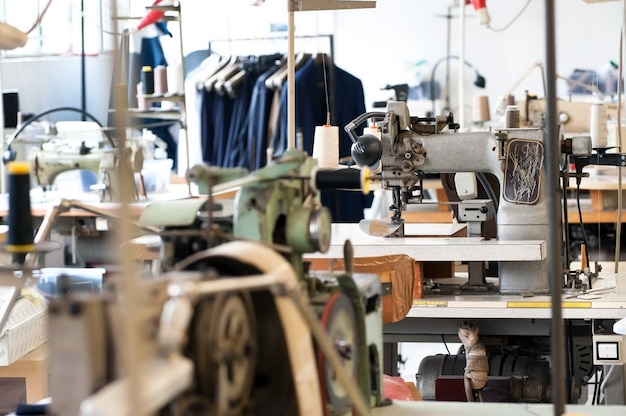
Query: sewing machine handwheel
x=338, y=318
x=223, y=345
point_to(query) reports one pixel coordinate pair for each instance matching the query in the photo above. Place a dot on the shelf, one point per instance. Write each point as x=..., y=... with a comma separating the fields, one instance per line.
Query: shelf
x=172, y=8
x=313, y=5
x=156, y=113
x=166, y=18
x=164, y=97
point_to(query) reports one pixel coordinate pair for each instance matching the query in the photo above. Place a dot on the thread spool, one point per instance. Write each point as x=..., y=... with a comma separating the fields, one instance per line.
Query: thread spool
x=480, y=109
x=613, y=135
x=599, y=131
x=175, y=82
x=20, y=234
x=510, y=99
x=511, y=117
x=326, y=146
x=142, y=103
x=160, y=80
x=147, y=80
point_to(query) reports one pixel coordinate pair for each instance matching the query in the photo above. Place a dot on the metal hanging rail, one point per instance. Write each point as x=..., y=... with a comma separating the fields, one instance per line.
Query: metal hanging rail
x=311, y=5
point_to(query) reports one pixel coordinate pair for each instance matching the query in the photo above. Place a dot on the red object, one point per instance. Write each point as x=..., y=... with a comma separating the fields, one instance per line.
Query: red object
x=153, y=16
x=479, y=4
x=395, y=388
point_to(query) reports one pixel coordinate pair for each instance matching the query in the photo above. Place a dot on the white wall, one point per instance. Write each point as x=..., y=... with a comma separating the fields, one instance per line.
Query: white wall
x=380, y=46
x=387, y=40
x=46, y=83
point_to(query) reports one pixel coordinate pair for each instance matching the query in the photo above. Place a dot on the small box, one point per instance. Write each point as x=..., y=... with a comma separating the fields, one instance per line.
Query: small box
x=26, y=328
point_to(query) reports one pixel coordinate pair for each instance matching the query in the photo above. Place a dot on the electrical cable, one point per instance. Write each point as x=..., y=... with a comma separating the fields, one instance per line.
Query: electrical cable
x=39, y=18
x=582, y=226
x=445, y=344
x=595, y=397
x=15, y=135
x=517, y=16
x=618, y=225
x=100, y=27
x=566, y=239
x=479, y=81
x=489, y=189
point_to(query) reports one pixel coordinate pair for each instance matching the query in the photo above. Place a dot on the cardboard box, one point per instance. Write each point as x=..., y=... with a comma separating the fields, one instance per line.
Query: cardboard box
x=400, y=270
x=26, y=327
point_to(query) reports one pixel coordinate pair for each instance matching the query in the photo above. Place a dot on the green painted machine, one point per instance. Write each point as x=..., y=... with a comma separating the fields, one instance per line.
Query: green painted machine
x=276, y=209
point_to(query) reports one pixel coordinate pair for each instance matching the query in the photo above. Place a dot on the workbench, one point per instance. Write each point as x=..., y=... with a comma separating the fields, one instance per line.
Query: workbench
x=430, y=248
x=42, y=201
x=428, y=408
x=434, y=242
x=599, y=206
x=436, y=316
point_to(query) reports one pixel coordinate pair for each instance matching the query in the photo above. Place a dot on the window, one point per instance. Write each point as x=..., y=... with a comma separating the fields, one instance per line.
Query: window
x=60, y=31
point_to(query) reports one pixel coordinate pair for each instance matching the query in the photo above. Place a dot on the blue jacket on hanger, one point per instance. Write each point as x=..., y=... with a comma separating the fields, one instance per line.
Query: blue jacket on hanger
x=346, y=101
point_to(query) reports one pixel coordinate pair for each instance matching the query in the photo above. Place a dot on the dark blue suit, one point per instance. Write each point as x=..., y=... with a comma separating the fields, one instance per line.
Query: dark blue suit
x=347, y=101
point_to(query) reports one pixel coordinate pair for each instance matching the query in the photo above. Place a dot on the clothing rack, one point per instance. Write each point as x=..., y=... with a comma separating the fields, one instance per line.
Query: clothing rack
x=329, y=61
x=330, y=37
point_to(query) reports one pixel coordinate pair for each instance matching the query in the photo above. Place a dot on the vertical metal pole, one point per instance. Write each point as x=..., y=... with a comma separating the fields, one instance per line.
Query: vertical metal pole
x=446, y=95
x=461, y=75
x=83, y=65
x=3, y=177
x=291, y=82
x=555, y=240
x=183, y=122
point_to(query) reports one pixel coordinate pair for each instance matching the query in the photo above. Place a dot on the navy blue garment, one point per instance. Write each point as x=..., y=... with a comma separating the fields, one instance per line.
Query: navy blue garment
x=207, y=120
x=347, y=101
x=152, y=52
x=235, y=150
x=225, y=120
x=216, y=116
x=260, y=104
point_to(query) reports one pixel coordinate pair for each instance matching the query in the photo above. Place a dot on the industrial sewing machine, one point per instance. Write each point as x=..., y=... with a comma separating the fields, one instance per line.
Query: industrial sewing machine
x=411, y=147
x=235, y=324
x=58, y=156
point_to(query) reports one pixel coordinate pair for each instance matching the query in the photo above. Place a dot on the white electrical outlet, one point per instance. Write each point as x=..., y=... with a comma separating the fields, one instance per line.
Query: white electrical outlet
x=609, y=350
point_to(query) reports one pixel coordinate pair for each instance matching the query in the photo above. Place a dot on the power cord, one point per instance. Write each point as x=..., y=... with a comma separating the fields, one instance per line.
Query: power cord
x=517, y=16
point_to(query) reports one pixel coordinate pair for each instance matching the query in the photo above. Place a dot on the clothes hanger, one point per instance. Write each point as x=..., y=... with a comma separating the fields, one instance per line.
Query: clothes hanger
x=230, y=85
x=228, y=66
x=278, y=79
x=228, y=73
x=269, y=82
x=208, y=68
x=321, y=58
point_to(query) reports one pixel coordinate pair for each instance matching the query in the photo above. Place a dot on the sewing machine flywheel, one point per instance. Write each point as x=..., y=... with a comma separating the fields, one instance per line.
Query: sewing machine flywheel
x=339, y=320
x=223, y=344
